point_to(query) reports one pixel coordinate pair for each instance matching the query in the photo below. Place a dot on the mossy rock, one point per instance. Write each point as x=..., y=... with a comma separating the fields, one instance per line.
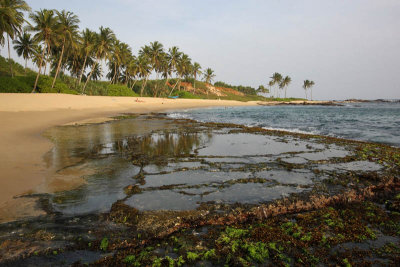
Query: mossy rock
x=122, y=213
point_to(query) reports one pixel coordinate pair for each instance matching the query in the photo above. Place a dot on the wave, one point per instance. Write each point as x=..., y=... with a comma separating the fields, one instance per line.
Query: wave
x=290, y=130
x=178, y=115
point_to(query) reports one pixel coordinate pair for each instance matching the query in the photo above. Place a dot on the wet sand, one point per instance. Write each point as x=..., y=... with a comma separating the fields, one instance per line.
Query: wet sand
x=24, y=117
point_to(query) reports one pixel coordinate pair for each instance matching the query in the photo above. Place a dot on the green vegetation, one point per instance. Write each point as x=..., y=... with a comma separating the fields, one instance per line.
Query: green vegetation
x=308, y=85
x=248, y=90
x=303, y=239
x=104, y=244
x=70, y=61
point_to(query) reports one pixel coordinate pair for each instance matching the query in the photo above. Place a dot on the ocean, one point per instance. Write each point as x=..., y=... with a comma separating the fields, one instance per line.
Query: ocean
x=372, y=122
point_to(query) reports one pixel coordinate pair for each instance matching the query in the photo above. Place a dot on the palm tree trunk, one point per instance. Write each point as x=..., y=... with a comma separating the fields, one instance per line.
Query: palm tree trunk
x=9, y=56
x=47, y=60
x=143, y=85
x=166, y=83
x=156, y=87
x=133, y=84
x=115, y=73
x=90, y=75
x=311, y=94
x=173, y=87
x=285, y=92
x=83, y=68
x=126, y=77
x=26, y=64
x=59, y=64
x=38, y=75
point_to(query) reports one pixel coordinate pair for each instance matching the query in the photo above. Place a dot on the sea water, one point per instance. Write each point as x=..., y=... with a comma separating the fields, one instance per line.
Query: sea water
x=373, y=122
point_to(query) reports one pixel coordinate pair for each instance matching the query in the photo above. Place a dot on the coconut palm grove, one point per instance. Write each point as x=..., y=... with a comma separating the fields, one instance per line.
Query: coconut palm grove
x=95, y=62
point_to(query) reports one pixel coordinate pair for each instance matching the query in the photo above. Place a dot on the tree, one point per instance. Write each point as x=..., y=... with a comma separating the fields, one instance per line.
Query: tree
x=131, y=70
x=166, y=69
x=88, y=42
x=97, y=72
x=182, y=69
x=285, y=83
x=37, y=55
x=174, y=56
x=306, y=85
x=144, y=70
x=276, y=79
x=44, y=25
x=25, y=47
x=263, y=90
x=196, y=70
x=103, y=48
x=67, y=29
x=116, y=59
x=155, y=54
x=11, y=21
x=209, y=75
x=311, y=84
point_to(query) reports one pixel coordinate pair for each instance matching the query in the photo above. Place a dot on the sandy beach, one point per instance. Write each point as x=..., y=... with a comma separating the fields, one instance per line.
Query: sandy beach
x=24, y=117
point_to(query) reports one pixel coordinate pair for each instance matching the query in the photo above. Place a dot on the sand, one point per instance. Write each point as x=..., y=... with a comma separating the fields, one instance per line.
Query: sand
x=23, y=119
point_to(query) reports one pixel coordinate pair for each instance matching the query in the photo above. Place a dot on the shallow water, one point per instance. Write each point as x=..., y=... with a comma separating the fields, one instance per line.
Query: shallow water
x=178, y=170
x=373, y=122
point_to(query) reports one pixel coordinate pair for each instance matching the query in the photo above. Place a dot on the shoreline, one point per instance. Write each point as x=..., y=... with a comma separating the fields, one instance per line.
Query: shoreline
x=24, y=119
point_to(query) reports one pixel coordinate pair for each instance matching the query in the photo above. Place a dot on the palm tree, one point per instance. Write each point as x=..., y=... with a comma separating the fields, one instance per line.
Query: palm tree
x=306, y=85
x=11, y=21
x=37, y=55
x=126, y=58
x=270, y=85
x=67, y=27
x=310, y=86
x=25, y=46
x=88, y=42
x=156, y=52
x=285, y=83
x=131, y=70
x=74, y=62
x=44, y=25
x=144, y=70
x=276, y=79
x=262, y=89
x=165, y=68
x=182, y=68
x=103, y=48
x=209, y=75
x=115, y=60
x=196, y=70
x=174, y=56
x=97, y=72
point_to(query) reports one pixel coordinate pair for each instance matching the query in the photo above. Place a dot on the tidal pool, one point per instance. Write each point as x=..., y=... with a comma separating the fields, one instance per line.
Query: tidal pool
x=156, y=164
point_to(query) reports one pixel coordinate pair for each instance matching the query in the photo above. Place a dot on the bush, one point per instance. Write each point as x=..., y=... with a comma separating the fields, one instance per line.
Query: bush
x=18, y=69
x=248, y=90
x=184, y=94
x=119, y=90
x=45, y=82
x=15, y=85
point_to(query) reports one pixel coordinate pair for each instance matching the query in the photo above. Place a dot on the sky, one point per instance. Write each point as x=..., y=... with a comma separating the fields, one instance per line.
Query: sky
x=350, y=48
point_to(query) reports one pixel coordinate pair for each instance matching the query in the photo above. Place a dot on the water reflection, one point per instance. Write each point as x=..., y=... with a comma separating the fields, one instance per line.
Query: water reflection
x=116, y=153
x=174, y=169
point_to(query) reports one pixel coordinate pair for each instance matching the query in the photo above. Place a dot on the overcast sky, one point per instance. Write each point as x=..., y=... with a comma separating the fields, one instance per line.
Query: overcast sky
x=350, y=48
